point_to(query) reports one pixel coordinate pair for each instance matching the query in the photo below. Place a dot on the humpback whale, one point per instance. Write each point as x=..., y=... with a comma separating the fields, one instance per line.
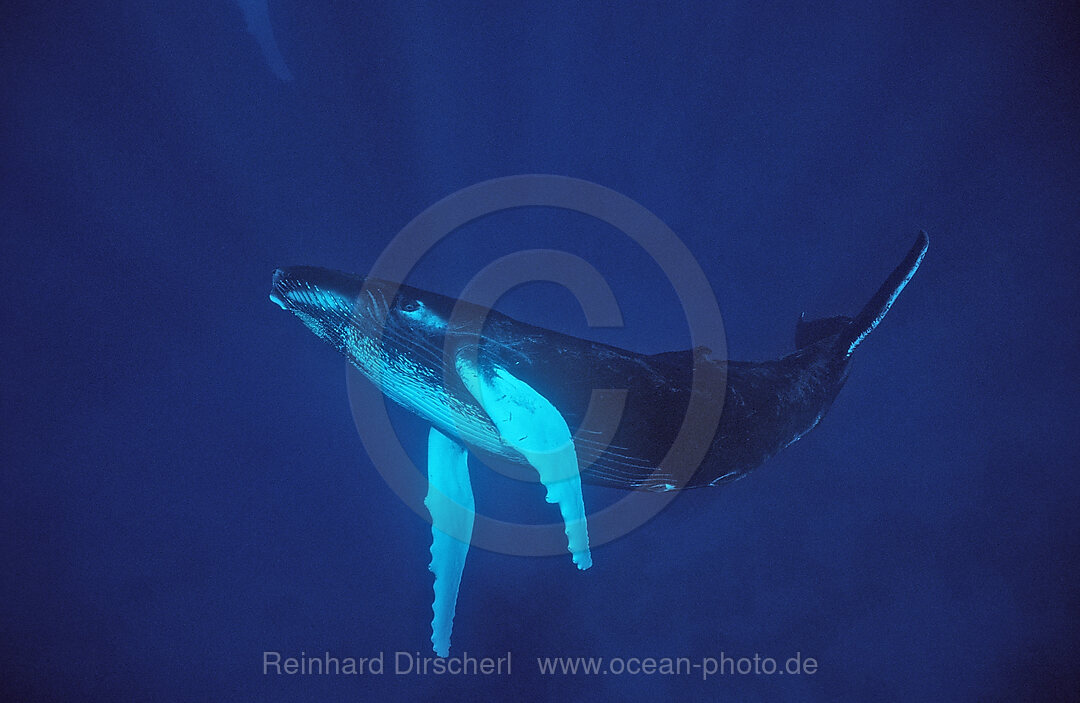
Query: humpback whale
x=257, y=16
x=514, y=391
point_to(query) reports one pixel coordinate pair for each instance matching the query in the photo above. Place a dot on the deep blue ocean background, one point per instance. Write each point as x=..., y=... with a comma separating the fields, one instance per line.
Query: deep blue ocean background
x=182, y=484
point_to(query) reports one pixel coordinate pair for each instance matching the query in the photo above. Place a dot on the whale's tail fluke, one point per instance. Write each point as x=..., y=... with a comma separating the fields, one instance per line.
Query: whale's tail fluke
x=871, y=315
x=808, y=332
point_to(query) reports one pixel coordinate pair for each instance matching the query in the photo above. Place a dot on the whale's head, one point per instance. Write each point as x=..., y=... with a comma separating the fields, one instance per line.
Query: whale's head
x=380, y=326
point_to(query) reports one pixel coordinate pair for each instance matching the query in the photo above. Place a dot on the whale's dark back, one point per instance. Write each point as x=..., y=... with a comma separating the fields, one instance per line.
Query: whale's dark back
x=766, y=405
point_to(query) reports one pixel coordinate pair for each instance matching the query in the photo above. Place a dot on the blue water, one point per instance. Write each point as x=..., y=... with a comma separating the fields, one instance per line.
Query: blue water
x=182, y=485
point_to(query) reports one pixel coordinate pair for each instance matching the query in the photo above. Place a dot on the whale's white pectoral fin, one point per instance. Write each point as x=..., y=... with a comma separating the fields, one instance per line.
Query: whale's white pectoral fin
x=450, y=502
x=566, y=493
x=529, y=423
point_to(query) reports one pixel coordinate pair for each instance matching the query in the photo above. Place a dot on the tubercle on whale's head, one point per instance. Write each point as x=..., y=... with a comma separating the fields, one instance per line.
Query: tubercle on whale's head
x=367, y=319
x=327, y=301
x=311, y=288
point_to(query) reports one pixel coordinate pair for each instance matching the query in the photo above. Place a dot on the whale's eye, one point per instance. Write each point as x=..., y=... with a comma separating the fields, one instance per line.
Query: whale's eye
x=410, y=306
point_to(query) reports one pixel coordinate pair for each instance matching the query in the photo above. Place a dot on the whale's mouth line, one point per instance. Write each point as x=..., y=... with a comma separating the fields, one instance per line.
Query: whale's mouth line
x=277, y=292
x=355, y=317
x=296, y=292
